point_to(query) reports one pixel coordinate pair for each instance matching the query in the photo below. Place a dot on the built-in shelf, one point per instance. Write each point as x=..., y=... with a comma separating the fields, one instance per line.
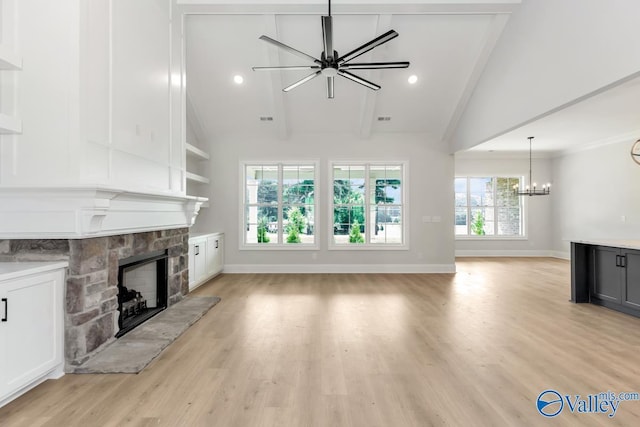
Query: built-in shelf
x=195, y=152
x=197, y=178
x=9, y=60
x=10, y=124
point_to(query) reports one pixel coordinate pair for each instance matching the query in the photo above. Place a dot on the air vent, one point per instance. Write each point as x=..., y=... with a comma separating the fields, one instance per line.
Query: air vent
x=266, y=118
x=384, y=118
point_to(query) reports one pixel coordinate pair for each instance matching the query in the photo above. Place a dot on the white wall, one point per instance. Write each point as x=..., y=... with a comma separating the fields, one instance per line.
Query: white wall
x=95, y=97
x=46, y=95
x=551, y=53
x=538, y=210
x=594, y=189
x=430, y=193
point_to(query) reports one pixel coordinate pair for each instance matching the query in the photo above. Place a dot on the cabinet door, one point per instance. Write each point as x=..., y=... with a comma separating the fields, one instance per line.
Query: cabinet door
x=606, y=274
x=212, y=252
x=31, y=334
x=192, y=264
x=631, y=279
x=219, y=258
x=201, y=260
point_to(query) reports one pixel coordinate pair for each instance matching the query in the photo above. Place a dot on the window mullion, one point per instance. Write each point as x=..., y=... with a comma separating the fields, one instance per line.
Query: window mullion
x=367, y=208
x=469, y=206
x=280, y=201
x=495, y=206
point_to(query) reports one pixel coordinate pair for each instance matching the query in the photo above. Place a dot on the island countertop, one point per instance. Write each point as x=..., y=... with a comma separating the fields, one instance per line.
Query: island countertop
x=614, y=243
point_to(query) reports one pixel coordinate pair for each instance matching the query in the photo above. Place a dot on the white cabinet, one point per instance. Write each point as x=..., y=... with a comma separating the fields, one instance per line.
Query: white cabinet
x=10, y=123
x=206, y=257
x=31, y=325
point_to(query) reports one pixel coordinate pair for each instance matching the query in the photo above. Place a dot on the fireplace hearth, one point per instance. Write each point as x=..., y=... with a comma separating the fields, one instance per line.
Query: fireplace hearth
x=142, y=289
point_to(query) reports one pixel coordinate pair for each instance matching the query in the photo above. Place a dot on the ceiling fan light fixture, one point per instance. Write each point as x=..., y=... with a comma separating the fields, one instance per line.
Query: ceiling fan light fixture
x=238, y=79
x=330, y=72
x=330, y=63
x=413, y=79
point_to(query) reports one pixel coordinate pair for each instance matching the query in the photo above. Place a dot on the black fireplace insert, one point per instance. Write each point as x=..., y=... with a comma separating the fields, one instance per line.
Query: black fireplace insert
x=142, y=289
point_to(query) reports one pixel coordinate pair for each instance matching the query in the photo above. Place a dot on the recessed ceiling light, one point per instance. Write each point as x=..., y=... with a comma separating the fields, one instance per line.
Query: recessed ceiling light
x=412, y=79
x=238, y=79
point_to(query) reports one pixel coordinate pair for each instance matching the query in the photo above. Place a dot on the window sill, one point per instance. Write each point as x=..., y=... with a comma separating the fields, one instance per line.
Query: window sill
x=363, y=247
x=484, y=238
x=279, y=247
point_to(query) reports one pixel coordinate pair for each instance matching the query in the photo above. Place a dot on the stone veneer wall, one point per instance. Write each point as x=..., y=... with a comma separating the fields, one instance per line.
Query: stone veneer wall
x=91, y=312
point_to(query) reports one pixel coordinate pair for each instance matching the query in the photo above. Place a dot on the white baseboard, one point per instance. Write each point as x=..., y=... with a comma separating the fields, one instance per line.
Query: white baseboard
x=561, y=255
x=503, y=253
x=339, y=268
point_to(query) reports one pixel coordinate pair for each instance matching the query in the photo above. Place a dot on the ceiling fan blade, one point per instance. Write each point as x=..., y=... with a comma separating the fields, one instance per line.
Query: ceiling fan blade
x=389, y=35
x=289, y=49
x=327, y=36
x=287, y=68
x=301, y=81
x=374, y=65
x=357, y=79
x=330, y=87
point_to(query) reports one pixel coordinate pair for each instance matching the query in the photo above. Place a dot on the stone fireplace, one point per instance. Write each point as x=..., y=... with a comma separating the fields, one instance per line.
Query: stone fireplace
x=92, y=319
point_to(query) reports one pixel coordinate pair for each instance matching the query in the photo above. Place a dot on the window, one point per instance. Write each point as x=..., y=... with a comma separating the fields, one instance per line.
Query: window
x=279, y=205
x=486, y=206
x=368, y=205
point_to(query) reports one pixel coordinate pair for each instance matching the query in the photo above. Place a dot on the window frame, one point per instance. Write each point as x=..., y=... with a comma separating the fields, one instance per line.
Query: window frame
x=495, y=236
x=281, y=245
x=367, y=245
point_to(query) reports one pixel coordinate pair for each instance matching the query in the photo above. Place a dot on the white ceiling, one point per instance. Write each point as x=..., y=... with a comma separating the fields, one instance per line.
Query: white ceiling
x=611, y=115
x=447, y=52
x=447, y=42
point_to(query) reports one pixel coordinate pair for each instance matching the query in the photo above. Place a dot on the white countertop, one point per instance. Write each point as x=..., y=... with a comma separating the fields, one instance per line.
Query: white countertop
x=196, y=235
x=12, y=270
x=615, y=243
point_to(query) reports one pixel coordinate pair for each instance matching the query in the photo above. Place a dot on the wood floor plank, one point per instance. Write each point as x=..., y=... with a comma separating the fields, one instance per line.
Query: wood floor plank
x=472, y=348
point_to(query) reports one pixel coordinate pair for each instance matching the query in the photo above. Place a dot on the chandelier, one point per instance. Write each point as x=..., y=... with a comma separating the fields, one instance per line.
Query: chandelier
x=533, y=190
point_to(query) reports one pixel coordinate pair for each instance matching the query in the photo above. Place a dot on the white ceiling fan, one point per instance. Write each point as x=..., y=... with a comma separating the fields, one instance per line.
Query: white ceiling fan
x=330, y=63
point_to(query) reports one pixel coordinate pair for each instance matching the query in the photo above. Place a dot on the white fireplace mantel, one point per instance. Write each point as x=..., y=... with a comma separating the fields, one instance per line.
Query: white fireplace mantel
x=79, y=212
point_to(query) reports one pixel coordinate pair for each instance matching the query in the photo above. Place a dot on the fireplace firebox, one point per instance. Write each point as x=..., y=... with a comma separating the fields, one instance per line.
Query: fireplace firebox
x=142, y=289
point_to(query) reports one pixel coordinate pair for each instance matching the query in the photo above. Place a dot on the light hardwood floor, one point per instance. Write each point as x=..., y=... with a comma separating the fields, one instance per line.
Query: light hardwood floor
x=465, y=349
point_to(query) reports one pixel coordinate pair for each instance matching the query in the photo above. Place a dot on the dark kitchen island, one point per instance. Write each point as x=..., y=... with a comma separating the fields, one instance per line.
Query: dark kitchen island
x=607, y=273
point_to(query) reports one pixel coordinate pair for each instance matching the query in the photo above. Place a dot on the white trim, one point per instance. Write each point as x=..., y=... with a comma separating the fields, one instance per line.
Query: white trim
x=79, y=212
x=484, y=238
x=338, y=268
x=312, y=7
x=524, y=210
x=503, y=253
x=405, y=207
x=561, y=255
x=243, y=246
x=616, y=139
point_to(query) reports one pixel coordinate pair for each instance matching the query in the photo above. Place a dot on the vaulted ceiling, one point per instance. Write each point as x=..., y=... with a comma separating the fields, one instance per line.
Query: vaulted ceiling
x=447, y=46
x=448, y=43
